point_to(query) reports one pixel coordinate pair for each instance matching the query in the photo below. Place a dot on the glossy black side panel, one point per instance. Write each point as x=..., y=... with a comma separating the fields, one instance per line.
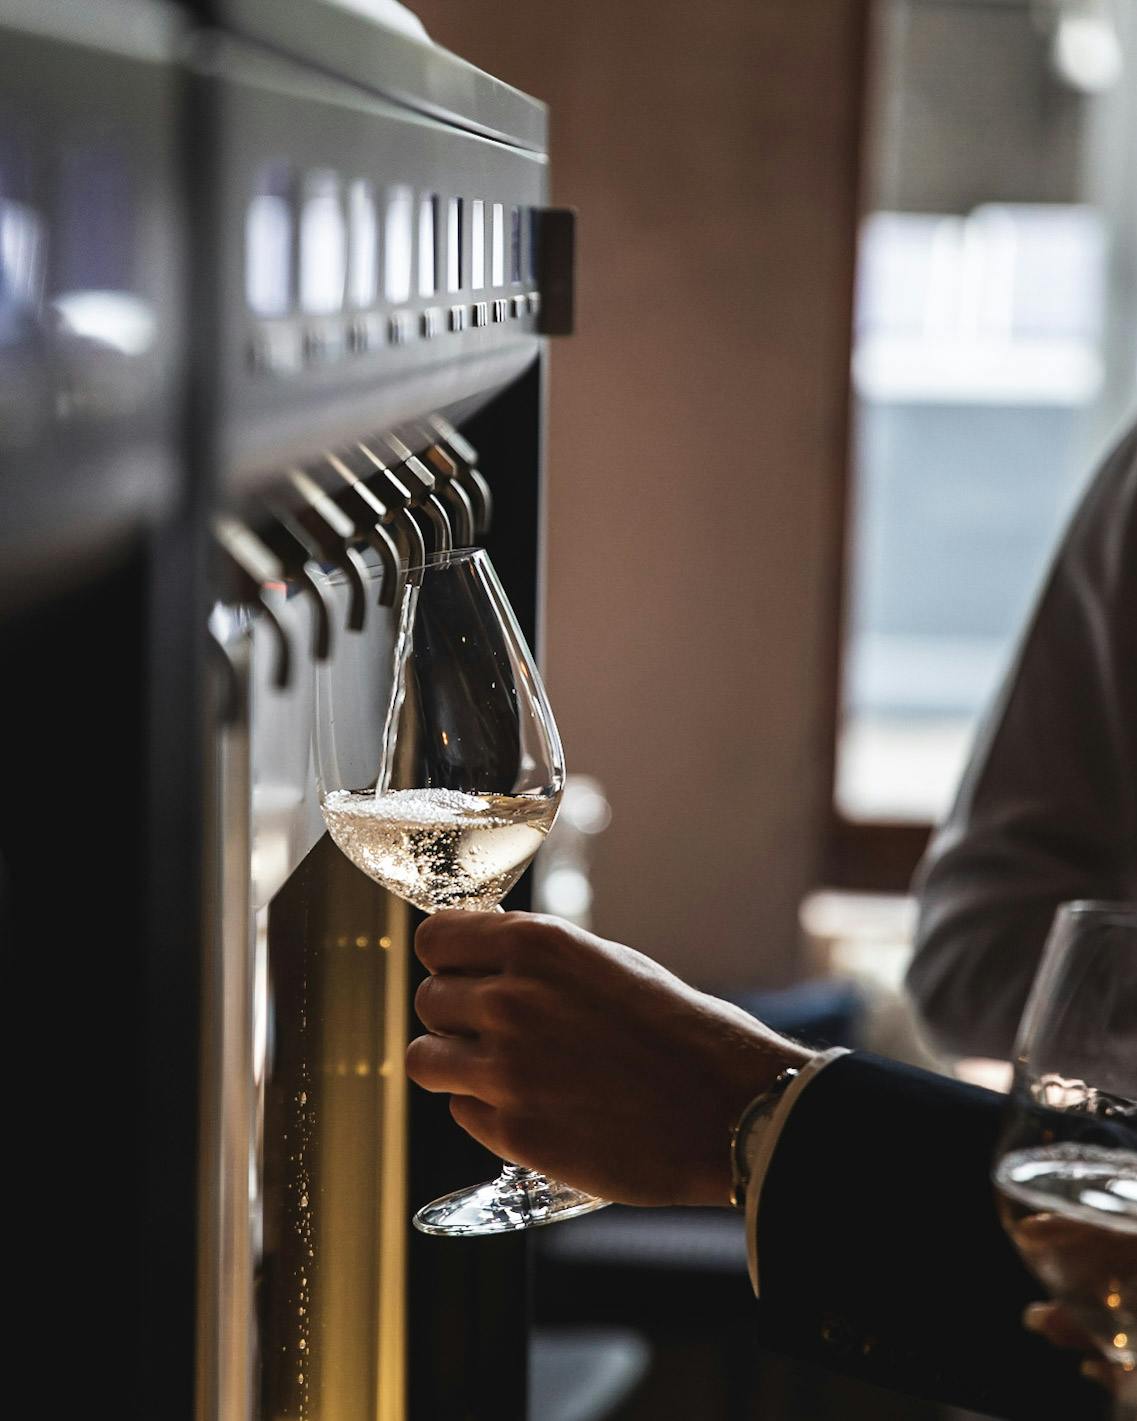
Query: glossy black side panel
x=469, y=1298
x=101, y=686
x=72, y=870
x=98, y=1264
x=507, y=436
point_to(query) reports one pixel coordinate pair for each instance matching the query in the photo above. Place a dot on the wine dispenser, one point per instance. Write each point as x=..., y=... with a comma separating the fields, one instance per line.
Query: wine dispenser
x=275, y=287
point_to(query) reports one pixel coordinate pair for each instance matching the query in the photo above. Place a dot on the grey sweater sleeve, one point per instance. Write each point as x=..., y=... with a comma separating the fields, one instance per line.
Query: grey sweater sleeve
x=1046, y=809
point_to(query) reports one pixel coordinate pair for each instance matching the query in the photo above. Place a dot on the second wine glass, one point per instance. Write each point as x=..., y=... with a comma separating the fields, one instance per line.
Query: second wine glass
x=1066, y=1165
x=469, y=777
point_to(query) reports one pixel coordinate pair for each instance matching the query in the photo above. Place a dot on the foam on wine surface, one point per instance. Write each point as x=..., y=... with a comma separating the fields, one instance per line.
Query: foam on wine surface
x=440, y=848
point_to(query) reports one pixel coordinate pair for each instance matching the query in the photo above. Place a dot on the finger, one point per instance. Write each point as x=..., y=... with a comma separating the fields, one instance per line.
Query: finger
x=446, y=1063
x=451, y=1004
x=1096, y=1369
x=480, y=1120
x=461, y=941
x=1053, y=1322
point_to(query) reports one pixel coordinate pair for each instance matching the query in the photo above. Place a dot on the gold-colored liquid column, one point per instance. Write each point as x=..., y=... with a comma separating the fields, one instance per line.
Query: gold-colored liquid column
x=335, y=1334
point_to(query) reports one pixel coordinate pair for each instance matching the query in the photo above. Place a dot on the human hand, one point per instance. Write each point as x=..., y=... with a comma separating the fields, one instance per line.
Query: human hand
x=586, y=1059
x=1054, y=1323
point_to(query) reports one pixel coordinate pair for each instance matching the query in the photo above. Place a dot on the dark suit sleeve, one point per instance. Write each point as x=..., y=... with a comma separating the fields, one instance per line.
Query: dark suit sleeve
x=1046, y=808
x=880, y=1251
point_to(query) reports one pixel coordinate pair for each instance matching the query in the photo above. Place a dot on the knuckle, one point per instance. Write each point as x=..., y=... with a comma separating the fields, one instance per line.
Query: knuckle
x=505, y=1077
x=508, y=1005
x=548, y=943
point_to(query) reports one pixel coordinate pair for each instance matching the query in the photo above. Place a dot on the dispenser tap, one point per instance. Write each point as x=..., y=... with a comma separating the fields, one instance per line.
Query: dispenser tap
x=370, y=514
x=421, y=483
x=445, y=471
x=332, y=532
x=297, y=552
x=397, y=498
x=468, y=476
x=256, y=566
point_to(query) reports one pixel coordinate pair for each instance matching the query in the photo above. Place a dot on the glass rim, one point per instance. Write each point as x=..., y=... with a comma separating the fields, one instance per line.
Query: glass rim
x=442, y=557
x=1104, y=909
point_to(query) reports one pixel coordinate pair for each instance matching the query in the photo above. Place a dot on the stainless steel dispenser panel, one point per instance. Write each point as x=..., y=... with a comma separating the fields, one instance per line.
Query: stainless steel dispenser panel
x=375, y=267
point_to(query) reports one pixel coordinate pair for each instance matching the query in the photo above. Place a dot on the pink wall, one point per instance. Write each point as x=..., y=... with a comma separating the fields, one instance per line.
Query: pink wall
x=697, y=436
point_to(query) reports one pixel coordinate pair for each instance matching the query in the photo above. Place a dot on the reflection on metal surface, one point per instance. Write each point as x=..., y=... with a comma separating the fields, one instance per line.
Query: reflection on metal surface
x=323, y=245
x=332, y=1280
x=363, y=245
x=454, y=244
x=398, y=250
x=229, y=1218
x=23, y=252
x=269, y=241
x=305, y=1105
x=115, y=319
x=477, y=244
x=497, y=246
x=427, y=225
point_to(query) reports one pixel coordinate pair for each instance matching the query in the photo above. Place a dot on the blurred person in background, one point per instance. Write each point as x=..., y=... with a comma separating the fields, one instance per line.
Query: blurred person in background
x=1047, y=808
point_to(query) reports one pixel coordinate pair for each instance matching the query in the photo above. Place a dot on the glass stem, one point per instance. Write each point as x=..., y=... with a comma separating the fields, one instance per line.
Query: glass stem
x=515, y=1176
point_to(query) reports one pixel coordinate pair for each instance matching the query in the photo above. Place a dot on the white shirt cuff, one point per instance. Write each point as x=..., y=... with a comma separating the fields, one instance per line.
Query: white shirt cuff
x=761, y=1141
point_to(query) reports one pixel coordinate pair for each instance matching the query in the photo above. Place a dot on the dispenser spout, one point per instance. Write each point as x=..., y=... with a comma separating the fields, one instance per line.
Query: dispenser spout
x=421, y=483
x=255, y=566
x=297, y=553
x=396, y=497
x=467, y=475
x=370, y=514
x=332, y=531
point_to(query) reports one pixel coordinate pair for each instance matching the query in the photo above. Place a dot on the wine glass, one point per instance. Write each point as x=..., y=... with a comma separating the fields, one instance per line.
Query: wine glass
x=1066, y=1165
x=447, y=800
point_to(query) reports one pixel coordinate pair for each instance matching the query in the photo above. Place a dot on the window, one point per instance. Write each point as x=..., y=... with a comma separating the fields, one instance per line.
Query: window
x=977, y=355
x=992, y=363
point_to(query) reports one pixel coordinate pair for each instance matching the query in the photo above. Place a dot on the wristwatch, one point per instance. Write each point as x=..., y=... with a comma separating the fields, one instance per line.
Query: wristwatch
x=759, y=1108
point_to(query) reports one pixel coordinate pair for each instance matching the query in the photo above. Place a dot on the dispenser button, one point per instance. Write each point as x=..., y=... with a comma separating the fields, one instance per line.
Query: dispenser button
x=457, y=318
x=481, y=313
x=275, y=350
x=431, y=322
x=400, y=327
x=500, y=310
x=315, y=346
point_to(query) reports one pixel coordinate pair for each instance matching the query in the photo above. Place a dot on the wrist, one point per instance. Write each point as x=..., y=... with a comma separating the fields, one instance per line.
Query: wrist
x=751, y=1068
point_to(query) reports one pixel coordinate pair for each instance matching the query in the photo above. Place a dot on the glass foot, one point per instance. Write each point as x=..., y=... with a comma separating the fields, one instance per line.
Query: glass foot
x=516, y=1199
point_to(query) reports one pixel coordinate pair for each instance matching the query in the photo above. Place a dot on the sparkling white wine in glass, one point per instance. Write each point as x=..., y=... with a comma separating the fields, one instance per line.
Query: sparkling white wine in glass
x=1071, y=1211
x=440, y=848
x=445, y=794
x=1065, y=1171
